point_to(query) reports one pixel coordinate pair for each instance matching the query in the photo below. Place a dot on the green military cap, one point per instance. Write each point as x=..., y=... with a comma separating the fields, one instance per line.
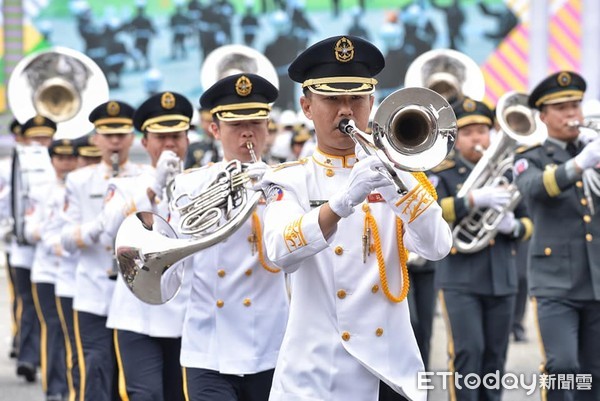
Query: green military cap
x=563, y=86
x=38, y=126
x=469, y=111
x=164, y=112
x=112, y=117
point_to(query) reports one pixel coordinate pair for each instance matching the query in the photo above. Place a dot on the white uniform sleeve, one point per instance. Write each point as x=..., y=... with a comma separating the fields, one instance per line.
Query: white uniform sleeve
x=425, y=231
x=71, y=231
x=291, y=230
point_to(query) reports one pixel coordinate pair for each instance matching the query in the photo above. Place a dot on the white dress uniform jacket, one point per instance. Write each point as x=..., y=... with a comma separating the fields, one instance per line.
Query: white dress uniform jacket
x=343, y=333
x=42, y=214
x=85, y=190
x=125, y=196
x=237, y=312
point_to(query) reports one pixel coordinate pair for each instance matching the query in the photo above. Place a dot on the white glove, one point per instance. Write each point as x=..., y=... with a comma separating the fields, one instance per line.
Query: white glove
x=90, y=231
x=494, y=197
x=589, y=156
x=167, y=166
x=508, y=224
x=360, y=152
x=255, y=172
x=363, y=179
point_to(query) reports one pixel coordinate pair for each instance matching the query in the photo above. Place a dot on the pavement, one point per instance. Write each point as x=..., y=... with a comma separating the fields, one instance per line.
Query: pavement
x=523, y=358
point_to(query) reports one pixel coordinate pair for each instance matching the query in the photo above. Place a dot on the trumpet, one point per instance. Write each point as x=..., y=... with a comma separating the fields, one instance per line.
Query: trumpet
x=591, y=177
x=414, y=129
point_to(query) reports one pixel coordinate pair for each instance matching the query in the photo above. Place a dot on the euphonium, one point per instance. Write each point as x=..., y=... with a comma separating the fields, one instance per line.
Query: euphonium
x=518, y=127
x=414, y=129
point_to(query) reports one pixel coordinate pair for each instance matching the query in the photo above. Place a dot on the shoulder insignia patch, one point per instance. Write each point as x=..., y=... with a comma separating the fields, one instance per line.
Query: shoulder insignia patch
x=281, y=166
x=444, y=165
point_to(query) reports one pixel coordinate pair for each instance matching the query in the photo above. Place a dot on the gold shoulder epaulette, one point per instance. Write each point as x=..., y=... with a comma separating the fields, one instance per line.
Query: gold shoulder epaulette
x=523, y=149
x=281, y=166
x=444, y=165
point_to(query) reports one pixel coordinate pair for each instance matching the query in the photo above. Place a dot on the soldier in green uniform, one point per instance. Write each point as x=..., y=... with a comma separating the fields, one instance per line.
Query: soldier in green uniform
x=564, y=254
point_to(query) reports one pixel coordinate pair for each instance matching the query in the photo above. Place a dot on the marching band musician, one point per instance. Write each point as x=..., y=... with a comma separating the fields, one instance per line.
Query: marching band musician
x=37, y=130
x=43, y=212
x=564, y=254
x=347, y=328
x=238, y=305
x=477, y=290
x=148, y=337
x=5, y=219
x=85, y=190
x=64, y=287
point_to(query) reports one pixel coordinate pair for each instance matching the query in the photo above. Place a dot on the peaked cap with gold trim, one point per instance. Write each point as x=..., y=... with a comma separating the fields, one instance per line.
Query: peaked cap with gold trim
x=38, y=126
x=560, y=87
x=112, y=117
x=339, y=65
x=64, y=147
x=85, y=147
x=15, y=127
x=164, y=112
x=469, y=111
x=240, y=97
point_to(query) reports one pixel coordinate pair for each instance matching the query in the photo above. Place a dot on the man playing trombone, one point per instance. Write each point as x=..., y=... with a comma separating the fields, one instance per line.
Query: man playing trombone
x=564, y=254
x=477, y=283
x=342, y=229
x=238, y=304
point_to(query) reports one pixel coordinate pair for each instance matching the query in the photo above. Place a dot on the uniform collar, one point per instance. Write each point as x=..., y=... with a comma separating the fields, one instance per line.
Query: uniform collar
x=330, y=161
x=557, y=142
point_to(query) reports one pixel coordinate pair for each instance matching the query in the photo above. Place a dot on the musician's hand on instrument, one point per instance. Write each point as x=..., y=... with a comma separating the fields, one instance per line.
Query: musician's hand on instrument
x=167, y=166
x=360, y=152
x=489, y=196
x=508, y=223
x=255, y=172
x=90, y=231
x=590, y=155
x=363, y=179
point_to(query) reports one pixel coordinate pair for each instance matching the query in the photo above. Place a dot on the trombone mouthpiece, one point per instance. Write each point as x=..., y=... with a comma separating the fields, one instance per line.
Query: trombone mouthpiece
x=346, y=125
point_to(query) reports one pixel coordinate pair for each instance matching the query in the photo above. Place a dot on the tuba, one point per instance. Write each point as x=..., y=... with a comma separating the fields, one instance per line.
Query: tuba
x=63, y=85
x=151, y=258
x=517, y=127
x=416, y=136
x=450, y=73
x=234, y=59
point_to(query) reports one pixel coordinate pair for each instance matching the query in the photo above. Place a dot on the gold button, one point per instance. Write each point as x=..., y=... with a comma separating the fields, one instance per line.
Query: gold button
x=341, y=294
x=375, y=288
x=513, y=252
x=453, y=251
x=587, y=218
x=548, y=251
x=379, y=332
x=492, y=242
x=220, y=303
x=329, y=172
x=584, y=201
x=365, y=207
x=345, y=336
x=248, y=272
x=579, y=184
x=589, y=237
x=221, y=273
x=247, y=302
x=339, y=250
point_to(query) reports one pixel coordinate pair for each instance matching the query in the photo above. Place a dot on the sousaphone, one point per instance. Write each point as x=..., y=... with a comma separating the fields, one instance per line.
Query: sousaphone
x=63, y=85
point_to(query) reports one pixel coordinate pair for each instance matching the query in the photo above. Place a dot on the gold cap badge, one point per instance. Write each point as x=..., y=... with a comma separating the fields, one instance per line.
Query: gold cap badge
x=469, y=105
x=564, y=78
x=167, y=100
x=344, y=50
x=38, y=120
x=243, y=86
x=113, y=109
